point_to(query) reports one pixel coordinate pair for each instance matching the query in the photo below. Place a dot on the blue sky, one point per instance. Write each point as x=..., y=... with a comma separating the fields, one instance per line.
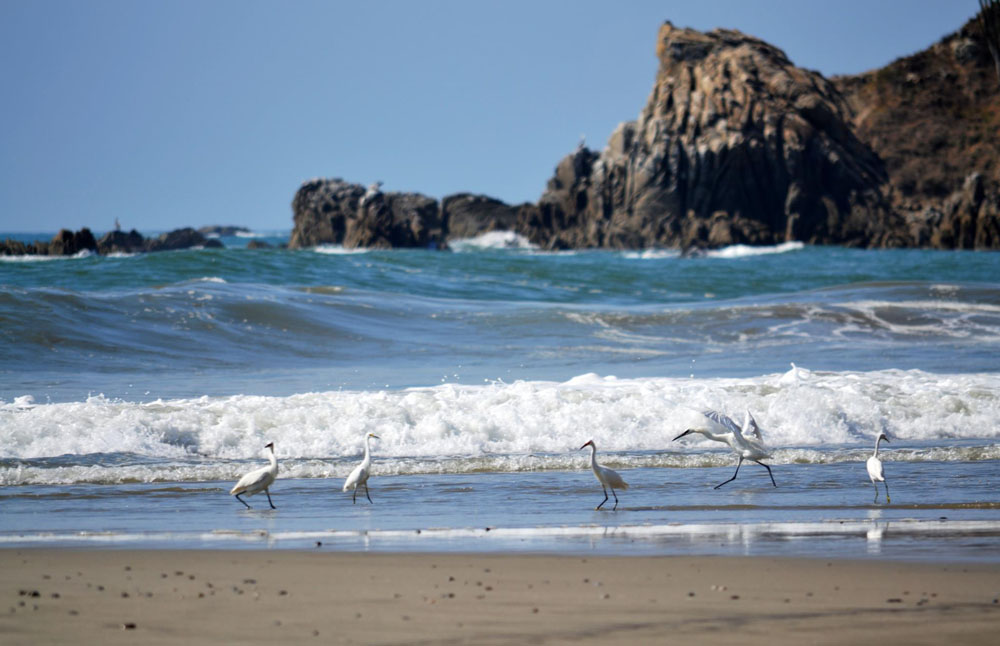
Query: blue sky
x=177, y=113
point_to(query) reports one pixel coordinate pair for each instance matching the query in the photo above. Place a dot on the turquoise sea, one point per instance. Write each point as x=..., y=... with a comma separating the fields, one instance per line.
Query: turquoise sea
x=135, y=390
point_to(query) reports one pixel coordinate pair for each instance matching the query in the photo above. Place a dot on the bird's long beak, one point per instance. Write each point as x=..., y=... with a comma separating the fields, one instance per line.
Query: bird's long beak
x=885, y=437
x=586, y=445
x=690, y=430
x=375, y=436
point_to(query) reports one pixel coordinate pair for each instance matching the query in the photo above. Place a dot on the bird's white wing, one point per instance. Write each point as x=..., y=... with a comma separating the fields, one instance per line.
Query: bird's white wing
x=750, y=427
x=251, y=480
x=356, y=477
x=719, y=418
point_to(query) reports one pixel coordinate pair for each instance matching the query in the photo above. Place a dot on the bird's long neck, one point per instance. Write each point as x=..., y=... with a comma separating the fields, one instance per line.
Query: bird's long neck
x=879, y=439
x=725, y=437
x=273, y=460
x=368, y=450
x=593, y=457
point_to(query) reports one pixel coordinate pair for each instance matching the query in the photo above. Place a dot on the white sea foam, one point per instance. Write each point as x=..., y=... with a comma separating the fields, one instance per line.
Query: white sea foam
x=338, y=250
x=493, y=240
x=498, y=427
x=85, y=253
x=742, y=251
x=651, y=254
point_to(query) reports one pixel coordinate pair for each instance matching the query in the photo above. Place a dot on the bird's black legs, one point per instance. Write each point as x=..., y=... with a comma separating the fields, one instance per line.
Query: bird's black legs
x=616, y=498
x=886, y=491
x=605, y=498
x=354, y=498
x=243, y=501
x=269, y=499
x=875, y=484
x=734, y=475
x=366, y=494
x=768, y=471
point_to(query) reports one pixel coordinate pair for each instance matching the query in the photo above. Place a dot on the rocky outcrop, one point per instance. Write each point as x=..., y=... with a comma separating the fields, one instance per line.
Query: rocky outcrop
x=68, y=243
x=332, y=211
x=466, y=215
x=735, y=145
x=738, y=145
x=336, y=212
x=934, y=118
x=967, y=219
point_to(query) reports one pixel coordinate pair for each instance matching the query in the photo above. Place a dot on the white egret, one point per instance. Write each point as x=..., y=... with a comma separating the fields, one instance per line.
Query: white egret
x=747, y=443
x=875, y=471
x=607, y=477
x=258, y=480
x=361, y=472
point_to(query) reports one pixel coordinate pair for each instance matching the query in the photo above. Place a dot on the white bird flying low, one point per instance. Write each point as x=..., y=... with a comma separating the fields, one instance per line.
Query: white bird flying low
x=607, y=477
x=875, y=471
x=747, y=443
x=361, y=472
x=258, y=480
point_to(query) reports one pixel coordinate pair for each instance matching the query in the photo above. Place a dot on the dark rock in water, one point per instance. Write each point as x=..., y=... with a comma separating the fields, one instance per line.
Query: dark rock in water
x=465, y=215
x=121, y=242
x=219, y=230
x=259, y=244
x=177, y=239
x=336, y=212
x=68, y=243
x=735, y=145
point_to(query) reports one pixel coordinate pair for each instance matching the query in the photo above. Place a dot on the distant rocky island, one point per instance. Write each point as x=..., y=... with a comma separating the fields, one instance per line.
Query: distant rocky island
x=69, y=243
x=737, y=145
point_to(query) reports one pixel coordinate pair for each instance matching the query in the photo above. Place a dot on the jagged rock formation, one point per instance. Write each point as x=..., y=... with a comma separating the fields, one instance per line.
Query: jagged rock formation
x=735, y=145
x=68, y=243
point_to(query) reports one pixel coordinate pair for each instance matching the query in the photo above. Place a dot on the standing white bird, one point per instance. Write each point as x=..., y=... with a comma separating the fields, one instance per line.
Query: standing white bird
x=747, y=443
x=606, y=476
x=875, y=471
x=258, y=480
x=361, y=472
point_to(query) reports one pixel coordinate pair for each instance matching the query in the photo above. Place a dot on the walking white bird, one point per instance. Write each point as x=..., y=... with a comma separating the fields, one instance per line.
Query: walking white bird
x=875, y=471
x=607, y=477
x=747, y=443
x=361, y=472
x=258, y=480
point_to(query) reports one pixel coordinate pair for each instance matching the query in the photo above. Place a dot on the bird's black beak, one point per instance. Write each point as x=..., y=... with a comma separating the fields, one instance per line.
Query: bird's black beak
x=683, y=434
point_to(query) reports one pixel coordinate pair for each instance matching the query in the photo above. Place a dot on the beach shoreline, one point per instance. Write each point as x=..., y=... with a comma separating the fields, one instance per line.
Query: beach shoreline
x=56, y=596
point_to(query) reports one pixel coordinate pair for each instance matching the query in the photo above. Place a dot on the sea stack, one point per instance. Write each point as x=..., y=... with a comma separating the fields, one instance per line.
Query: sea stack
x=735, y=145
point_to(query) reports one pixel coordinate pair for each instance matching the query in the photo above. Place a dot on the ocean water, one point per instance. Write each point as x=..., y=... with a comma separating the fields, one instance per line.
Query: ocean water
x=135, y=389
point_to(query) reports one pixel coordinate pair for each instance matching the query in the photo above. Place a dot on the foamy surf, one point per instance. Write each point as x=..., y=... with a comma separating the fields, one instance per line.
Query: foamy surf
x=807, y=417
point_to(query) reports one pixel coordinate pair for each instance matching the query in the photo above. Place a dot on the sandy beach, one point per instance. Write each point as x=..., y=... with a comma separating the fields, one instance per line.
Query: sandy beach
x=212, y=597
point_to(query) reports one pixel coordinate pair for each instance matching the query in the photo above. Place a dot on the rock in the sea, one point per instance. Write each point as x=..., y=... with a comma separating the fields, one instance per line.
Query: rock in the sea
x=178, y=239
x=465, y=215
x=332, y=211
x=68, y=243
x=735, y=145
x=121, y=242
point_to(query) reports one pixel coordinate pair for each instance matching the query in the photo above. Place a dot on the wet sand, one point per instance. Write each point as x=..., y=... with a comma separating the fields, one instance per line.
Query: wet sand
x=214, y=597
